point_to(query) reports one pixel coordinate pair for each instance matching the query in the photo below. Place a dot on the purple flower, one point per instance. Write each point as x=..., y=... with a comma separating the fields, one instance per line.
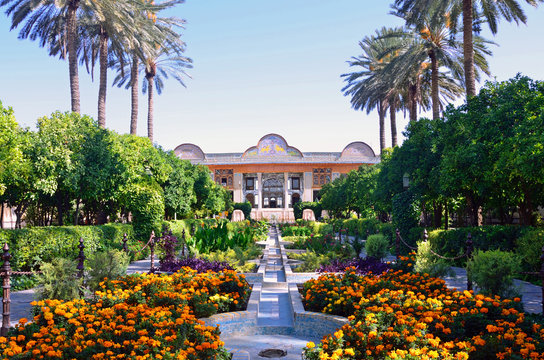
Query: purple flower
x=200, y=265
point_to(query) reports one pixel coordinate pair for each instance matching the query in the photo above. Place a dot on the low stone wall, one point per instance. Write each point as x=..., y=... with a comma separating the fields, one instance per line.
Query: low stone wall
x=233, y=323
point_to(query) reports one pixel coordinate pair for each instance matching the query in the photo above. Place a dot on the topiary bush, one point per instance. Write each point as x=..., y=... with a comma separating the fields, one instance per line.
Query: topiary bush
x=493, y=271
x=377, y=246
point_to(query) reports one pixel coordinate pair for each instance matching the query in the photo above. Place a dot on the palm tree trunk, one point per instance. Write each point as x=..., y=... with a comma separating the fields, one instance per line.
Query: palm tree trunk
x=393, y=118
x=150, y=108
x=72, y=55
x=381, y=114
x=412, y=93
x=103, y=49
x=134, y=95
x=468, y=49
x=434, y=85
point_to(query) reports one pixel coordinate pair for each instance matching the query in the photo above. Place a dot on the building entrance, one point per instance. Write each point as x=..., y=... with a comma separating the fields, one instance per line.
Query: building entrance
x=272, y=193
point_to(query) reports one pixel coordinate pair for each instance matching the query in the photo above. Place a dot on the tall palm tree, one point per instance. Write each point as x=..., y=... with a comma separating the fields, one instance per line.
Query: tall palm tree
x=435, y=41
x=40, y=15
x=490, y=10
x=164, y=34
x=368, y=87
x=158, y=68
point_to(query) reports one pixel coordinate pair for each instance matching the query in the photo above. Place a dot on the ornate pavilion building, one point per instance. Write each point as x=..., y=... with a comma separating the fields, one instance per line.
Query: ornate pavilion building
x=273, y=176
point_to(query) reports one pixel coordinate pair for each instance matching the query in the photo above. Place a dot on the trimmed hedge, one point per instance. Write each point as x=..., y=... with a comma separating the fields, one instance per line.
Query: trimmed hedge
x=31, y=246
x=492, y=237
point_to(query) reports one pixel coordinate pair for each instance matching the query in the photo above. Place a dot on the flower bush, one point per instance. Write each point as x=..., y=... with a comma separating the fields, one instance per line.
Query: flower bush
x=135, y=317
x=399, y=315
x=361, y=266
x=200, y=265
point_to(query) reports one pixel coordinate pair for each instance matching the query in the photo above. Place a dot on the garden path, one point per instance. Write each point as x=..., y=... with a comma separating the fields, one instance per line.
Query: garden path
x=275, y=321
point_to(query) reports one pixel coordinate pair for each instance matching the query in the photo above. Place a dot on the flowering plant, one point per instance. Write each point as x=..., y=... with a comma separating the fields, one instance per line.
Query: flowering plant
x=135, y=317
x=414, y=316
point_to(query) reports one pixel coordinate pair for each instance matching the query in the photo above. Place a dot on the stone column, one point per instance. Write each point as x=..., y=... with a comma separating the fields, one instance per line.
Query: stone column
x=238, y=188
x=285, y=191
x=260, y=189
x=308, y=181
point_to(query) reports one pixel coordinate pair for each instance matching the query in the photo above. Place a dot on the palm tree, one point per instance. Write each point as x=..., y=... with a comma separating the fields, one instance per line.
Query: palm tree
x=164, y=34
x=42, y=16
x=368, y=88
x=490, y=10
x=157, y=69
x=435, y=41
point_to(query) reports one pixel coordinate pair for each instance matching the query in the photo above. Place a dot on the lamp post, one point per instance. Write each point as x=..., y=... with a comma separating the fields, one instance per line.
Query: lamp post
x=406, y=181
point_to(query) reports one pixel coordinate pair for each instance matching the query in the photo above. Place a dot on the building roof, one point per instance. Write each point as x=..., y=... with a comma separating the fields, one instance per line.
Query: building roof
x=273, y=148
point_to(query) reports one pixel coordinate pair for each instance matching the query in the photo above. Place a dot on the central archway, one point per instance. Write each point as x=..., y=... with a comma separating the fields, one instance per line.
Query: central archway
x=272, y=193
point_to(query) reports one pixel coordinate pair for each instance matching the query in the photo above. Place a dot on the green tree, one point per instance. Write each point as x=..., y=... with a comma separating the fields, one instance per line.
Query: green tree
x=10, y=152
x=179, y=194
x=334, y=197
x=55, y=155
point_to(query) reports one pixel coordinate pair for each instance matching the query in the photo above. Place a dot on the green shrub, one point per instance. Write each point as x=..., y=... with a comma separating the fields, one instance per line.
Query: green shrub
x=377, y=246
x=245, y=207
x=427, y=262
x=311, y=261
x=236, y=257
x=295, y=231
x=110, y=264
x=493, y=271
x=529, y=247
x=59, y=280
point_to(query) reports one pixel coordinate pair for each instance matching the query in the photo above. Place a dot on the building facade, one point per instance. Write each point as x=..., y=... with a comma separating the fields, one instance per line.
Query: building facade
x=273, y=175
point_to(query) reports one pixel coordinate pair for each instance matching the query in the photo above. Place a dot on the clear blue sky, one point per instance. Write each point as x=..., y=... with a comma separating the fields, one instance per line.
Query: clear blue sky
x=259, y=67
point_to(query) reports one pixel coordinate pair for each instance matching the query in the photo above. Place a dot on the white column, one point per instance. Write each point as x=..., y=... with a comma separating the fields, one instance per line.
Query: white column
x=237, y=187
x=308, y=183
x=260, y=188
x=285, y=191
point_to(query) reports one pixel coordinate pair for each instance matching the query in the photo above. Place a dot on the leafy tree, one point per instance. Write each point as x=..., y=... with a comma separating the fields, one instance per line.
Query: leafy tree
x=55, y=155
x=10, y=152
x=99, y=179
x=334, y=197
x=179, y=194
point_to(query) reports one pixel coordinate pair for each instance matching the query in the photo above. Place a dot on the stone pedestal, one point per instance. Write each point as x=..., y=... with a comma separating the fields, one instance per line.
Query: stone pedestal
x=238, y=215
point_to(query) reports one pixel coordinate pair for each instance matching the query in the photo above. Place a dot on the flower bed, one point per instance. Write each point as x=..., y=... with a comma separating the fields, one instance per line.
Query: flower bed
x=135, y=317
x=413, y=316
